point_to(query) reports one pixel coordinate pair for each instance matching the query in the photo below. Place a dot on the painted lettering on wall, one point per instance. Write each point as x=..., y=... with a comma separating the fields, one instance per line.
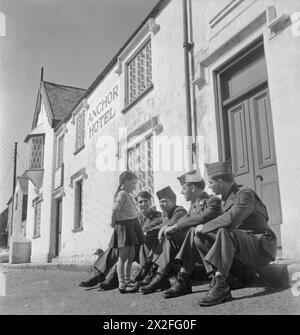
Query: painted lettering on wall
x=103, y=112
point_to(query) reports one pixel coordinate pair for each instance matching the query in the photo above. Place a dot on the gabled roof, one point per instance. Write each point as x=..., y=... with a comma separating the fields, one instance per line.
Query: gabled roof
x=62, y=98
x=59, y=101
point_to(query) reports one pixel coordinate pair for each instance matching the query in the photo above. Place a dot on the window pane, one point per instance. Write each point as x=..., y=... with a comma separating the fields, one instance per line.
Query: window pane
x=139, y=72
x=80, y=130
x=60, y=151
x=78, y=204
x=37, y=219
x=140, y=161
x=36, y=154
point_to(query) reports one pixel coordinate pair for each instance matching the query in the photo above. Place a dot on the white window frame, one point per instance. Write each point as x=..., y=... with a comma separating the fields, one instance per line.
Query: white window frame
x=58, y=162
x=127, y=74
x=78, y=213
x=77, y=146
x=42, y=153
x=133, y=146
x=36, y=205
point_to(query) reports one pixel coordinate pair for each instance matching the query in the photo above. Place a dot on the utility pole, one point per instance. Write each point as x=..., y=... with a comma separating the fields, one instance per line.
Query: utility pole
x=14, y=186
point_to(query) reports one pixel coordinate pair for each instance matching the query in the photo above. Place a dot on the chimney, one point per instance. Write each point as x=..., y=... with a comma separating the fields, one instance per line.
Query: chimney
x=42, y=73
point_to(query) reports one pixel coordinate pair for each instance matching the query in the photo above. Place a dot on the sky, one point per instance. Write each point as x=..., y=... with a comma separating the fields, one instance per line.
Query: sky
x=72, y=39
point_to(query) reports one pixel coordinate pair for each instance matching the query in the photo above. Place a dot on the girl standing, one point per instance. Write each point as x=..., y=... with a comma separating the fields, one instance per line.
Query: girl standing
x=127, y=230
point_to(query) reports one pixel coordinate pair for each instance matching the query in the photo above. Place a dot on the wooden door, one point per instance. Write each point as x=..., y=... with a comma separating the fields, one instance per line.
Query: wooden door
x=253, y=151
x=58, y=226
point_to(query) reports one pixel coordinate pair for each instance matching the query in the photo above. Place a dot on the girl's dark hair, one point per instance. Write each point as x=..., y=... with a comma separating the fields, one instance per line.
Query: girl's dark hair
x=126, y=175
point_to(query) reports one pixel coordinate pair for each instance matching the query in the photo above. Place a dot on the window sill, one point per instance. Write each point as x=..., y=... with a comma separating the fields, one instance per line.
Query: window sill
x=78, y=150
x=140, y=97
x=36, y=236
x=76, y=230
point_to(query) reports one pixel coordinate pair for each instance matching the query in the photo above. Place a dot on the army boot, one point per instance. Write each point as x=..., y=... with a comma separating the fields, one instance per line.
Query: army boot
x=143, y=273
x=111, y=281
x=95, y=280
x=159, y=282
x=219, y=292
x=148, y=278
x=182, y=286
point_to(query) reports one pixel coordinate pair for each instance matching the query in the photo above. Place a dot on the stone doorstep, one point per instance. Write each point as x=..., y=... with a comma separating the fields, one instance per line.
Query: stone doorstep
x=279, y=274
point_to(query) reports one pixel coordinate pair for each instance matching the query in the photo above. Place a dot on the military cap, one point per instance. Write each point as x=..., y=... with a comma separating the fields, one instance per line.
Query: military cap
x=166, y=193
x=219, y=167
x=193, y=176
x=144, y=195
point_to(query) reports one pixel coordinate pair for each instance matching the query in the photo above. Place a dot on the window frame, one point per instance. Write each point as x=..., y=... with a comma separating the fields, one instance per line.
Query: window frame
x=77, y=147
x=60, y=163
x=42, y=152
x=127, y=103
x=78, y=211
x=134, y=146
x=24, y=207
x=37, y=205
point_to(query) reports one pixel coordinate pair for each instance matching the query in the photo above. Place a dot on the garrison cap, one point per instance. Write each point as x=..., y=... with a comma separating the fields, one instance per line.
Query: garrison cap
x=166, y=192
x=144, y=195
x=219, y=167
x=193, y=176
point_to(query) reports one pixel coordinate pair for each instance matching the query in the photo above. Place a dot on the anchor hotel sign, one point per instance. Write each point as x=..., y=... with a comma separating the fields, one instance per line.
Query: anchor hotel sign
x=103, y=112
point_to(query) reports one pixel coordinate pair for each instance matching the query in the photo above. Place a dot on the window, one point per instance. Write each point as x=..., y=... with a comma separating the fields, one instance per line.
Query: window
x=78, y=205
x=140, y=161
x=139, y=73
x=60, y=152
x=36, y=153
x=37, y=219
x=24, y=207
x=80, y=121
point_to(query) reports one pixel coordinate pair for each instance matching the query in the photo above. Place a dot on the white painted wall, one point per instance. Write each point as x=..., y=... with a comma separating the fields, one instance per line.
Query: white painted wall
x=41, y=245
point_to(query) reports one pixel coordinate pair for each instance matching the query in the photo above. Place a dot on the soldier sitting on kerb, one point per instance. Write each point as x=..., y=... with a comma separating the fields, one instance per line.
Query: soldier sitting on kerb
x=242, y=232
x=165, y=251
x=203, y=208
x=105, y=266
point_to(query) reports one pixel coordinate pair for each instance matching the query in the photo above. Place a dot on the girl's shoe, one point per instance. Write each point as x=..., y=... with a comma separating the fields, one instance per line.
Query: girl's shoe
x=122, y=288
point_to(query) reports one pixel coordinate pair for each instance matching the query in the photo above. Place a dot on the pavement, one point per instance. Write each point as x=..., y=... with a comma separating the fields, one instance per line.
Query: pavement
x=39, y=289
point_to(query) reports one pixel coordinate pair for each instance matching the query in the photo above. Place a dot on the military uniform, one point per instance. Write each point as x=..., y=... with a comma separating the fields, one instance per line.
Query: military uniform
x=166, y=249
x=202, y=211
x=241, y=232
x=151, y=224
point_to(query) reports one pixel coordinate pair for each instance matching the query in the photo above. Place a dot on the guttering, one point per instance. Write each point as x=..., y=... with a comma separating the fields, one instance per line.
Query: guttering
x=186, y=47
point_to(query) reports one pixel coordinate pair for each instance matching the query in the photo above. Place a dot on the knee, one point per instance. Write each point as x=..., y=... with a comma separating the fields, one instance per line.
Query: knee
x=224, y=231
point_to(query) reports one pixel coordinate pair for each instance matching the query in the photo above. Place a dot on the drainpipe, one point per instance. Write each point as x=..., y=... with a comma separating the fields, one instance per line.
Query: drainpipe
x=186, y=47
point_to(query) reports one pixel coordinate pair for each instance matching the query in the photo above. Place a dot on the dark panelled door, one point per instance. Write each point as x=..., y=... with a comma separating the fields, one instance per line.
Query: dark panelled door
x=58, y=226
x=253, y=151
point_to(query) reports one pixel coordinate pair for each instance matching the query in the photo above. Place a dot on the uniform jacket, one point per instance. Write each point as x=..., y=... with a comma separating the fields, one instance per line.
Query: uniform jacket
x=171, y=217
x=204, y=209
x=151, y=221
x=244, y=210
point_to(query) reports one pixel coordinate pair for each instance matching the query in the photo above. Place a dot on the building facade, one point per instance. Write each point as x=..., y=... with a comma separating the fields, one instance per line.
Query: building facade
x=159, y=113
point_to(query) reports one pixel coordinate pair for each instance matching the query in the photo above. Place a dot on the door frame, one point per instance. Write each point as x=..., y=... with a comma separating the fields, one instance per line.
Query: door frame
x=221, y=122
x=57, y=244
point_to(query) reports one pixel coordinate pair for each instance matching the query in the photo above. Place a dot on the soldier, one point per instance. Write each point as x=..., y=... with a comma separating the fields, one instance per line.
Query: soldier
x=151, y=222
x=105, y=265
x=203, y=208
x=241, y=232
x=169, y=244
